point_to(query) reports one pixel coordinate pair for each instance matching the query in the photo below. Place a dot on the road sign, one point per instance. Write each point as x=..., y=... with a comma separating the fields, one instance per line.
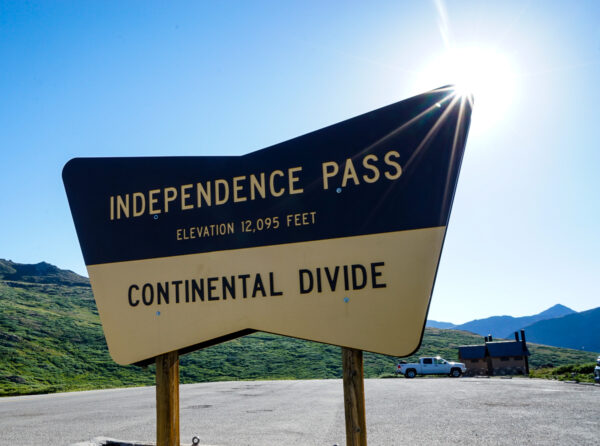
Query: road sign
x=334, y=236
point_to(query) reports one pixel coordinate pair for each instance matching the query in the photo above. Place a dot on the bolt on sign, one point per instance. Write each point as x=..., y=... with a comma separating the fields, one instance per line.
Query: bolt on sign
x=334, y=236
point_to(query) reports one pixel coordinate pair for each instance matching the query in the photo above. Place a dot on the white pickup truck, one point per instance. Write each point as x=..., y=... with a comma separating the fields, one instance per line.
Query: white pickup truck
x=432, y=366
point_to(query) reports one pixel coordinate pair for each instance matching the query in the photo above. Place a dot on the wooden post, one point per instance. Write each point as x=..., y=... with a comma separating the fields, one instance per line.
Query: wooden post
x=354, y=397
x=167, y=399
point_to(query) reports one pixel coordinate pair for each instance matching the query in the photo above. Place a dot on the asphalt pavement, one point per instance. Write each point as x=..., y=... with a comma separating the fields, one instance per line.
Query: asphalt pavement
x=422, y=411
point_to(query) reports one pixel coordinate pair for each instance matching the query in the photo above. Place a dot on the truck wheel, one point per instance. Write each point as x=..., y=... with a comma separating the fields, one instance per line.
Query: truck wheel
x=410, y=373
x=455, y=373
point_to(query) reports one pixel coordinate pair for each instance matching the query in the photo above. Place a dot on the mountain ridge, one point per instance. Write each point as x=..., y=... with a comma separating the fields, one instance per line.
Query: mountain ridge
x=504, y=326
x=557, y=326
x=41, y=272
x=439, y=324
x=571, y=331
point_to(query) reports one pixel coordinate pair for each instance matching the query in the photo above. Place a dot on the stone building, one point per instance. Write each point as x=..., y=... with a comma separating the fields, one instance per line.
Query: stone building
x=496, y=357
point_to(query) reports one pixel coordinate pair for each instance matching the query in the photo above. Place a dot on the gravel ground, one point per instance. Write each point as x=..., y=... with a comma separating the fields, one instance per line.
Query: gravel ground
x=422, y=411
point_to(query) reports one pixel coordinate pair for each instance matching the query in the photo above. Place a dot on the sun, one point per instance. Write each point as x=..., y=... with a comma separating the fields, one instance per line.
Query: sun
x=484, y=74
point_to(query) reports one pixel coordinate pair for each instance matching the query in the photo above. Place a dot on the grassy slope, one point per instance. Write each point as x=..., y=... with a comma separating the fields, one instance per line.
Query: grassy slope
x=51, y=340
x=569, y=372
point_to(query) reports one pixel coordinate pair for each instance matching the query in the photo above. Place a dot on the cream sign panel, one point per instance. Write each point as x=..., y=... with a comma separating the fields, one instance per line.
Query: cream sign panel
x=334, y=236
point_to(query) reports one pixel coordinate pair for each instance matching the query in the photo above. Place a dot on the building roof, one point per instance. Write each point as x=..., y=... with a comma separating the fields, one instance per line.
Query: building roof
x=506, y=348
x=471, y=351
x=494, y=349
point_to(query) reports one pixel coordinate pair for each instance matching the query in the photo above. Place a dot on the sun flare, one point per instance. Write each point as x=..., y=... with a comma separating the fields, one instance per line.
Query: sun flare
x=484, y=74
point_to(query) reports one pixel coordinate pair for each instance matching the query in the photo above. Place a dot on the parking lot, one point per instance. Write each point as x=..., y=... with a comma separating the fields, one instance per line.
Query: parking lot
x=421, y=411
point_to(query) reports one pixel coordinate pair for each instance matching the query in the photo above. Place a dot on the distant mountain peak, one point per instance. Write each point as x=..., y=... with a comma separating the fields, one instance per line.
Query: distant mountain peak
x=574, y=330
x=41, y=272
x=557, y=311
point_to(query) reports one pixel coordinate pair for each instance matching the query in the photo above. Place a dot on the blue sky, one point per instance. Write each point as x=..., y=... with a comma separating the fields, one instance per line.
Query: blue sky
x=225, y=78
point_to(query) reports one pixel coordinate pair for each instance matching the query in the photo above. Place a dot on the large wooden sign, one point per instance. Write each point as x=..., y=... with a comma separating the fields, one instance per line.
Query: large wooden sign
x=334, y=236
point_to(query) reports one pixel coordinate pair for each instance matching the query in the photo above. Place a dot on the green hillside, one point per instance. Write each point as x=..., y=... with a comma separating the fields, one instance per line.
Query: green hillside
x=51, y=340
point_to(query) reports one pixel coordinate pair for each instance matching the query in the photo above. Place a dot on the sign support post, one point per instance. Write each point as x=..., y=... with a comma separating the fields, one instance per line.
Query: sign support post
x=167, y=399
x=354, y=397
